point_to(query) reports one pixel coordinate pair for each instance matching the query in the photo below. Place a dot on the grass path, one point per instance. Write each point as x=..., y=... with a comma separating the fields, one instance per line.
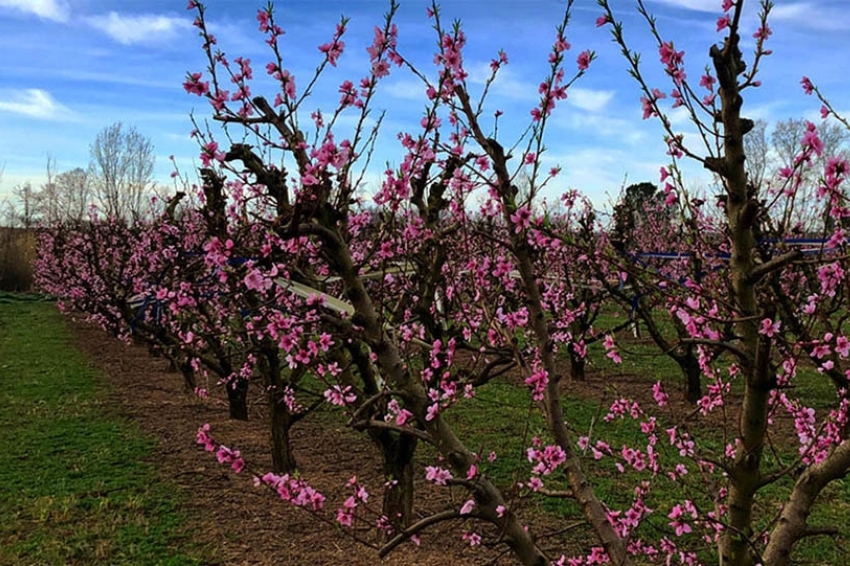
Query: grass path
x=76, y=483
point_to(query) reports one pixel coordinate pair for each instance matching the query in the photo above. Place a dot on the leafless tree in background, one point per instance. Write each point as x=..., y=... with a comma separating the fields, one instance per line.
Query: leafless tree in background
x=27, y=215
x=769, y=151
x=66, y=196
x=120, y=171
x=786, y=137
x=785, y=140
x=757, y=151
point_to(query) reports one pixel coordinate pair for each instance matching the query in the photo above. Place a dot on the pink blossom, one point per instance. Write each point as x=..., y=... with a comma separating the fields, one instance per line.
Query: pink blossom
x=344, y=517
x=194, y=85
x=209, y=152
x=680, y=526
x=842, y=346
x=561, y=44
x=808, y=88
x=437, y=475
x=467, y=507
x=658, y=394
x=769, y=328
x=584, y=59
x=263, y=20
x=610, y=347
x=204, y=439
x=256, y=282
x=811, y=141
x=669, y=56
x=332, y=50
x=521, y=219
x=647, y=105
x=762, y=33
x=495, y=64
x=340, y=396
x=538, y=381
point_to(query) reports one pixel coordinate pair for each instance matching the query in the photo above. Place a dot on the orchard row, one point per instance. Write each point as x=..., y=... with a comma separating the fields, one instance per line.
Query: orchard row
x=276, y=276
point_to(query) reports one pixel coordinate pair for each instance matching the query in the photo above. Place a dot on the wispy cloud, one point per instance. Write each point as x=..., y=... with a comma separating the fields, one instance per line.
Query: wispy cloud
x=35, y=103
x=405, y=89
x=507, y=83
x=600, y=126
x=589, y=99
x=699, y=5
x=790, y=11
x=130, y=30
x=812, y=15
x=56, y=10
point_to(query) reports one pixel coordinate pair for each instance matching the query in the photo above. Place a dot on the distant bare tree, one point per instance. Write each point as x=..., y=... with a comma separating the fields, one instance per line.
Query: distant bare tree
x=756, y=148
x=28, y=214
x=120, y=171
x=787, y=134
x=63, y=197
x=73, y=195
x=785, y=142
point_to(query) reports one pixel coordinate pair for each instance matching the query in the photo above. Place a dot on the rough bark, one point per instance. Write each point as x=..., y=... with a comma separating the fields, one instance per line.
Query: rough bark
x=792, y=524
x=742, y=211
x=283, y=458
x=398, y=451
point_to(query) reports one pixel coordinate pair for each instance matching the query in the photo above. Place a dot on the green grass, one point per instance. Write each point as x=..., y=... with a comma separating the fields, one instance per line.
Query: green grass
x=498, y=419
x=76, y=486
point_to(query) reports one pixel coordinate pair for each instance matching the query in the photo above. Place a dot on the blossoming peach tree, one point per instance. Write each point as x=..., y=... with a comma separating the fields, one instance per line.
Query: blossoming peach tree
x=455, y=273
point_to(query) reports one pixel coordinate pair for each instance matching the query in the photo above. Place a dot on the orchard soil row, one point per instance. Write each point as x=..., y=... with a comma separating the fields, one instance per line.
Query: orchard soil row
x=245, y=524
x=248, y=525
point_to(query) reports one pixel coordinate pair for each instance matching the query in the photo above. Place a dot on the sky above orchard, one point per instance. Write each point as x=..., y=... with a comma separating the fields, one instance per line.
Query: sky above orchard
x=72, y=67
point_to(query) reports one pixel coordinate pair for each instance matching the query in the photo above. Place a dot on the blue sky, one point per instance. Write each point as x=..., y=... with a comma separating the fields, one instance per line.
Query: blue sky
x=72, y=67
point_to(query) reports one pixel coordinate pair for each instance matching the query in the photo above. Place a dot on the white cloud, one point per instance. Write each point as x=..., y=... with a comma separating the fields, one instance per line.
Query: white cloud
x=129, y=30
x=406, y=89
x=601, y=126
x=56, y=10
x=790, y=11
x=35, y=103
x=507, y=83
x=811, y=15
x=698, y=5
x=589, y=99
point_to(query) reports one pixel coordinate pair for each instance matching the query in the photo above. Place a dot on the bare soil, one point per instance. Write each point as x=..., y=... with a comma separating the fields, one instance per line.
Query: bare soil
x=248, y=524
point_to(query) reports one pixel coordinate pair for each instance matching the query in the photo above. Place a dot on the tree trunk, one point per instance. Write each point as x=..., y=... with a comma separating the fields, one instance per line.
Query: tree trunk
x=397, y=451
x=577, y=367
x=237, y=398
x=742, y=212
x=283, y=459
x=188, y=373
x=693, y=377
x=487, y=495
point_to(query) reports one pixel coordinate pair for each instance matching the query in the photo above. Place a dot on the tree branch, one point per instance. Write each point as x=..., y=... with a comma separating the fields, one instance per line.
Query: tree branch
x=417, y=527
x=759, y=271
